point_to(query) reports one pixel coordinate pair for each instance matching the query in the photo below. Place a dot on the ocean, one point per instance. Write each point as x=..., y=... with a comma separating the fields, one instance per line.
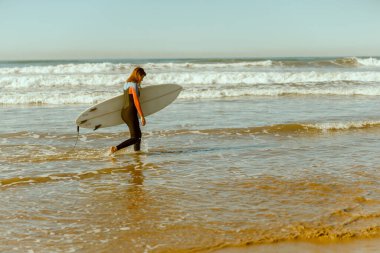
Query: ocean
x=252, y=151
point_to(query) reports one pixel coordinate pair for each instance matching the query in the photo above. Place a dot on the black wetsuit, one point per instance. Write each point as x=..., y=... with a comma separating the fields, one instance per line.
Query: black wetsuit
x=129, y=115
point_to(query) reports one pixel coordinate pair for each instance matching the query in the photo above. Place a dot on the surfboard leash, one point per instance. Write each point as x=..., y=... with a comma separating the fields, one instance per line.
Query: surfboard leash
x=76, y=141
x=77, y=137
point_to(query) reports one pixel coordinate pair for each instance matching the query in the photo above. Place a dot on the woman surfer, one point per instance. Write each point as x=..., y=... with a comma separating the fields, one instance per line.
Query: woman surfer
x=130, y=109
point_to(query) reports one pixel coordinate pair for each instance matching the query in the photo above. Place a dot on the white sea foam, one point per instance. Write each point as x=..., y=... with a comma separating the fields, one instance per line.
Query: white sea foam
x=85, y=68
x=371, y=62
x=85, y=96
x=207, y=78
x=328, y=126
x=125, y=68
x=187, y=78
x=90, y=83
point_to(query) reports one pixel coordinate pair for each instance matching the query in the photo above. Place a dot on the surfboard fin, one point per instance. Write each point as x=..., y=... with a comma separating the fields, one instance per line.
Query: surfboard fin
x=97, y=126
x=82, y=122
x=93, y=109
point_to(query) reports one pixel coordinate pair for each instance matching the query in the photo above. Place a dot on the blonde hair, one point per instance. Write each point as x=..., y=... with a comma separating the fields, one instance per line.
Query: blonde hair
x=136, y=75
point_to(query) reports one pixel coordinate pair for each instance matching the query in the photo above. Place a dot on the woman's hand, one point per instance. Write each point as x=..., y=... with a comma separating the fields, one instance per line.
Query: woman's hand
x=143, y=122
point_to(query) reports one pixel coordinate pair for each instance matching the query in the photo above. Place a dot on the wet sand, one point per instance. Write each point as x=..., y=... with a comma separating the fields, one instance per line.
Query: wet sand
x=199, y=184
x=349, y=246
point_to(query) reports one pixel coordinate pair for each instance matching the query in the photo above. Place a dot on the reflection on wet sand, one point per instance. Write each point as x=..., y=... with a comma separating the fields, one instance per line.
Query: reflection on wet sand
x=248, y=179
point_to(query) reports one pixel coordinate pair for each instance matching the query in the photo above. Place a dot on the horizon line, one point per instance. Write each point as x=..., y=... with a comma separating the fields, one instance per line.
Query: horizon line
x=183, y=58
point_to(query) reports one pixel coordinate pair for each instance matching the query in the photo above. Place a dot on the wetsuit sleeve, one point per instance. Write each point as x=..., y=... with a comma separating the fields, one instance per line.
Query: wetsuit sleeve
x=136, y=101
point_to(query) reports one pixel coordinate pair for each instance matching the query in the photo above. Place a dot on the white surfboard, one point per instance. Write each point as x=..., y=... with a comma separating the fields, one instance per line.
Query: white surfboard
x=108, y=113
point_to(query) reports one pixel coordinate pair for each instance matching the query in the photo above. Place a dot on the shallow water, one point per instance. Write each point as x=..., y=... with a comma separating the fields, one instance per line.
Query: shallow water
x=211, y=173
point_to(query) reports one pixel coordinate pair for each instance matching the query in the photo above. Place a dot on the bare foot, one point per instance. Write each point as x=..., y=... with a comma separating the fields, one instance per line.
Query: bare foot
x=113, y=149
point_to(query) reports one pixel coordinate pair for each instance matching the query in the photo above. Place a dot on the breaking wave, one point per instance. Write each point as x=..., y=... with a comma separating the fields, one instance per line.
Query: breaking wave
x=87, y=83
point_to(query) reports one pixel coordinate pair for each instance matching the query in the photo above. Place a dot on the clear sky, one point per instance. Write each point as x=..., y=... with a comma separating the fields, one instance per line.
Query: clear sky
x=90, y=29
